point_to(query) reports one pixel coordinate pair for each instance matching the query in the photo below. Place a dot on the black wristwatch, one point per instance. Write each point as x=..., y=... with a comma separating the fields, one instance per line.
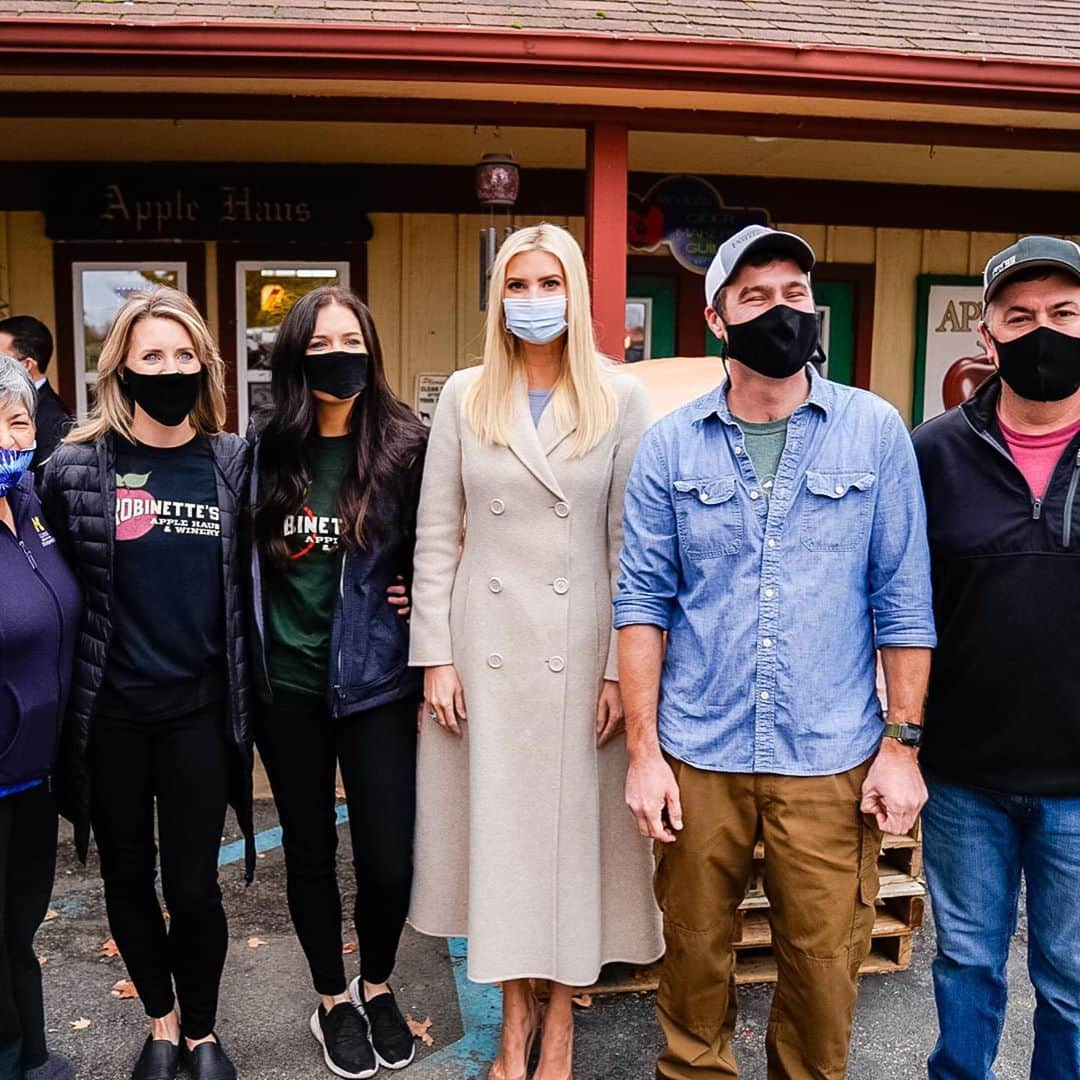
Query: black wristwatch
x=905, y=734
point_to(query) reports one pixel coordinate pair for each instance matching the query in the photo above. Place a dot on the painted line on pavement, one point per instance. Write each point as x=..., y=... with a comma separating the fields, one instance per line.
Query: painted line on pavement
x=480, y=1004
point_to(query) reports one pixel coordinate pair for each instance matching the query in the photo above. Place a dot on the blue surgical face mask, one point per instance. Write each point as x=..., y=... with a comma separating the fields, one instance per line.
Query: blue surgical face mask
x=536, y=320
x=13, y=463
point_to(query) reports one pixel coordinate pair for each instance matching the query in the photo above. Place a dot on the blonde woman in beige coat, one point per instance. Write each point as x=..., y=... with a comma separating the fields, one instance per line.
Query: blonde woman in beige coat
x=523, y=841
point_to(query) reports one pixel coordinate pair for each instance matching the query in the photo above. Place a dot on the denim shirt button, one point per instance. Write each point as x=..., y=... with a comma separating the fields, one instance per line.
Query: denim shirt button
x=767, y=642
x=755, y=494
x=770, y=593
x=771, y=542
x=764, y=695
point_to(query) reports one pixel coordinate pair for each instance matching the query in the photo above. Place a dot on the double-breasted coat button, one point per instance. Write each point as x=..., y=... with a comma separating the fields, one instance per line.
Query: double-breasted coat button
x=495, y=584
x=562, y=509
x=561, y=586
x=495, y=660
x=497, y=506
x=556, y=664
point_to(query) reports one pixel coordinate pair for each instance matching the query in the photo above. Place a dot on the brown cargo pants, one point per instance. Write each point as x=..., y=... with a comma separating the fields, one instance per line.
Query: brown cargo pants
x=821, y=881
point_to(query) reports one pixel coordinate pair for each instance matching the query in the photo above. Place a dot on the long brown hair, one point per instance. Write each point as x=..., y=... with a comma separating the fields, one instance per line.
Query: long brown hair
x=387, y=435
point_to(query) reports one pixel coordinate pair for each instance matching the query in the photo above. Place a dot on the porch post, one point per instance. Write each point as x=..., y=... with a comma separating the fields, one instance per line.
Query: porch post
x=607, y=160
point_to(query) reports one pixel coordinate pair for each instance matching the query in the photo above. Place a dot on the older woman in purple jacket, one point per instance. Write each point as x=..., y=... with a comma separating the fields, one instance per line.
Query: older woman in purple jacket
x=39, y=613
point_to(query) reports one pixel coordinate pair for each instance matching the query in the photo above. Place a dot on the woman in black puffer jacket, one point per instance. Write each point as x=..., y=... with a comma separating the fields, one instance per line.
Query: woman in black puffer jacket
x=147, y=500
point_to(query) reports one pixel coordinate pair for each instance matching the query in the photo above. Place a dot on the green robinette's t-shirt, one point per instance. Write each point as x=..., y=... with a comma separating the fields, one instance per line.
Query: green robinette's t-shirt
x=300, y=598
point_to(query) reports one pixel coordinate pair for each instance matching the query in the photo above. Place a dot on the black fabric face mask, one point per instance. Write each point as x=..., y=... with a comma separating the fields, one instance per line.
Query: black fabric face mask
x=341, y=374
x=1043, y=365
x=168, y=399
x=777, y=344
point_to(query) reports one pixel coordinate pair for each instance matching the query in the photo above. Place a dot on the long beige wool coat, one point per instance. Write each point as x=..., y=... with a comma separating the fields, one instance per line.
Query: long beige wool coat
x=523, y=840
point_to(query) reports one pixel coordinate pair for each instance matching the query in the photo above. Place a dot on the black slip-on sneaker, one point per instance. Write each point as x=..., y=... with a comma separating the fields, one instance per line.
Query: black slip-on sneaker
x=208, y=1061
x=158, y=1060
x=391, y=1038
x=343, y=1034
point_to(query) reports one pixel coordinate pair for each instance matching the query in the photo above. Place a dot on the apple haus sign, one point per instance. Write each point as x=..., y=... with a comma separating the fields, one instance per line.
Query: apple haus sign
x=687, y=215
x=192, y=202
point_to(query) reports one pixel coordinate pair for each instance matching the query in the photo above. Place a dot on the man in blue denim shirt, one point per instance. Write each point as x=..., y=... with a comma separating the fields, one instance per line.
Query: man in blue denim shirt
x=775, y=530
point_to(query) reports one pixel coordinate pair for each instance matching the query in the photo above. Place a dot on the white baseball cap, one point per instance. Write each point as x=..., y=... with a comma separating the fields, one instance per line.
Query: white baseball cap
x=733, y=250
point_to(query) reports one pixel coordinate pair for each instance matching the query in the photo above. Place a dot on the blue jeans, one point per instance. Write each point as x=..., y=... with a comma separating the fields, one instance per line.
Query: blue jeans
x=977, y=844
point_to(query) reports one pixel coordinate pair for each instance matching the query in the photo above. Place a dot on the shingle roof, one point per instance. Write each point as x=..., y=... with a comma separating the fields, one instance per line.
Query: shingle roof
x=1021, y=29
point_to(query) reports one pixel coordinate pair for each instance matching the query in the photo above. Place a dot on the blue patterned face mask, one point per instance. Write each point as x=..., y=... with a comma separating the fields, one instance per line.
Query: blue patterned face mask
x=13, y=463
x=536, y=320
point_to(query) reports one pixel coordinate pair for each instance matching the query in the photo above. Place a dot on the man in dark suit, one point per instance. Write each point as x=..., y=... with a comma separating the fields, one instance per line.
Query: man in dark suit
x=30, y=342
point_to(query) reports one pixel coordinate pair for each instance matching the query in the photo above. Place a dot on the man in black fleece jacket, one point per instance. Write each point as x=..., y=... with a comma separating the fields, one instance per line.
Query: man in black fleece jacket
x=1002, y=747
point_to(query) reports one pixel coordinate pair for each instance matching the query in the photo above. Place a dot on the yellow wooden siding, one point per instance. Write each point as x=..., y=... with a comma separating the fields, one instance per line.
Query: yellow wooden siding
x=28, y=279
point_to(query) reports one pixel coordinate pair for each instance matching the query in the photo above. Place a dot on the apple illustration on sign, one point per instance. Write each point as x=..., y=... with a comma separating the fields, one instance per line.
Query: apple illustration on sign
x=132, y=505
x=644, y=224
x=964, y=377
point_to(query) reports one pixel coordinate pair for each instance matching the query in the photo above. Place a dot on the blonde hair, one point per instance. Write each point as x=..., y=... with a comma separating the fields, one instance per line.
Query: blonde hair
x=582, y=397
x=112, y=411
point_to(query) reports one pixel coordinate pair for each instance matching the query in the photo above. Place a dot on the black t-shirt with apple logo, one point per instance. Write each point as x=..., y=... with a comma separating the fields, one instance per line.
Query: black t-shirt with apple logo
x=167, y=653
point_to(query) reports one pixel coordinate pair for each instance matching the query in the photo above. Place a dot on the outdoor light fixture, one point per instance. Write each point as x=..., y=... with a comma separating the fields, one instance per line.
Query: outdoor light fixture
x=497, y=181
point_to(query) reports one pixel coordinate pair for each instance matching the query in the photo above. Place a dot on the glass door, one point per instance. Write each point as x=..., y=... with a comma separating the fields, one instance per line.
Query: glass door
x=265, y=291
x=98, y=290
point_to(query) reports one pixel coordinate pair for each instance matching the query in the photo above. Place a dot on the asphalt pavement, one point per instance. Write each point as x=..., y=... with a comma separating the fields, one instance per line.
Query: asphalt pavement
x=267, y=997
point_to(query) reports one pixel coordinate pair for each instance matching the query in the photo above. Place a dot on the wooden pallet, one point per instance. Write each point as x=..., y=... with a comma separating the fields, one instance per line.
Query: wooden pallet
x=901, y=907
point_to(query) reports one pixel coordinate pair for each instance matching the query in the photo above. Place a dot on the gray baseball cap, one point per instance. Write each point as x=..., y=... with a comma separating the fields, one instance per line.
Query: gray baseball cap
x=733, y=250
x=1028, y=253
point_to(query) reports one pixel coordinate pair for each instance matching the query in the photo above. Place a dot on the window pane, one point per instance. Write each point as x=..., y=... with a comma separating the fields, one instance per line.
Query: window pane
x=268, y=295
x=258, y=396
x=103, y=291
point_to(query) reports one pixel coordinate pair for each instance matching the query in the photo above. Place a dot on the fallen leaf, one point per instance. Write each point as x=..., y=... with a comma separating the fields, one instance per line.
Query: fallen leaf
x=584, y=1000
x=349, y=948
x=81, y=1024
x=419, y=1028
x=42, y=960
x=641, y=976
x=124, y=990
x=109, y=950
x=50, y=915
x=255, y=942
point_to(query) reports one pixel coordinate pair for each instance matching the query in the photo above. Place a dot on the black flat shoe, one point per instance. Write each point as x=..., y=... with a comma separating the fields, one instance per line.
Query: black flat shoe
x=158, y=1060
x=209, y=1062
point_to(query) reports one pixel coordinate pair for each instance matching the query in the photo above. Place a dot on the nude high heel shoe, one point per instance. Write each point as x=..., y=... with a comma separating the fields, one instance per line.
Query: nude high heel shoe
x=496, y=1071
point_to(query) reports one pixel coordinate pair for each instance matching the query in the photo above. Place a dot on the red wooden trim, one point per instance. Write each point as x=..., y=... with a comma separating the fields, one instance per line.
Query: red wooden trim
x=304, y=51
x=229, y=254
x=194, y=106
x=862, y=276
x=66, y=254
x=607, y=157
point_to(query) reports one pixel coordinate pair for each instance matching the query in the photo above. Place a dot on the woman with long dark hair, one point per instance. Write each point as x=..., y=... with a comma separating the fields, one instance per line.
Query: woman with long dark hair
x=335, y=486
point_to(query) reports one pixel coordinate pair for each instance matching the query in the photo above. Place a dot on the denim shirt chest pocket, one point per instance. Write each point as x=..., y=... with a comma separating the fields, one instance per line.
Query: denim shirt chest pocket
x=709, y=517
x=837, y=509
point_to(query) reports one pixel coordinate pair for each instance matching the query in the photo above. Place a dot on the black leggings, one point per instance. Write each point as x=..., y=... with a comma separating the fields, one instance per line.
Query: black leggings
x=183, y=762
x=27, y=867
x=300, y=744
